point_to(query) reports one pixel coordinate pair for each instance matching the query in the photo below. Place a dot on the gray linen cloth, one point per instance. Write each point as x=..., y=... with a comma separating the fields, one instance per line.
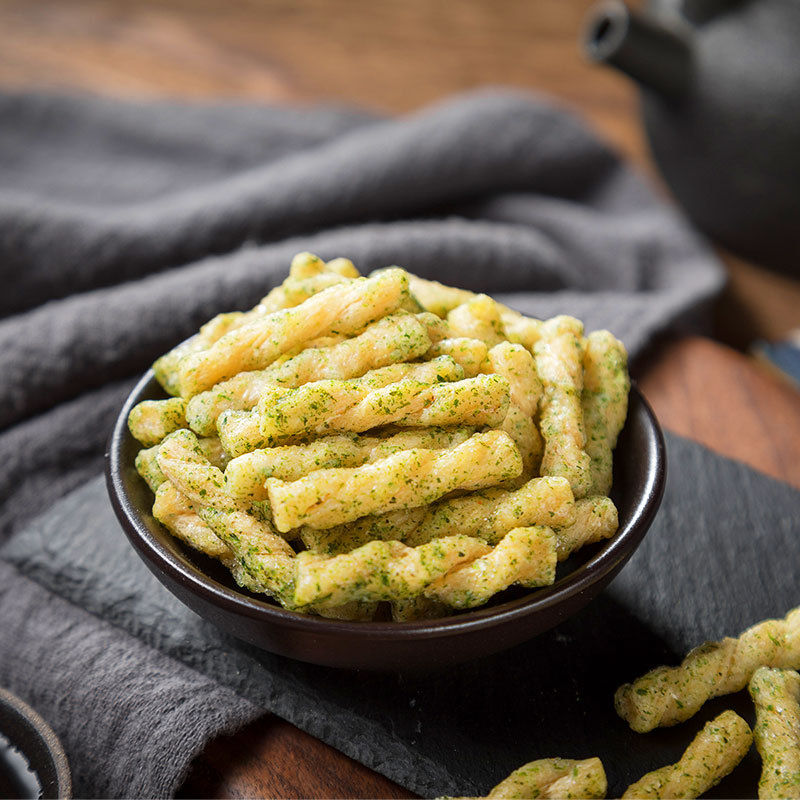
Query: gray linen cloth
x=123, y=227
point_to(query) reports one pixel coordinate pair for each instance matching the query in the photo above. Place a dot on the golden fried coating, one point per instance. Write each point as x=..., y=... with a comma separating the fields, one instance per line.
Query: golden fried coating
x=557, y=778
x=151, y=420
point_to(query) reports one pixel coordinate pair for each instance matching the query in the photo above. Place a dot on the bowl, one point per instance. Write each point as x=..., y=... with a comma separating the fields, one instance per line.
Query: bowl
x=35, y=743
x=512, y=617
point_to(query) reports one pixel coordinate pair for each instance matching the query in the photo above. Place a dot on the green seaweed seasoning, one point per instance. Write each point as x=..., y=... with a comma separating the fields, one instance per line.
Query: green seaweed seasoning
x=18, y=779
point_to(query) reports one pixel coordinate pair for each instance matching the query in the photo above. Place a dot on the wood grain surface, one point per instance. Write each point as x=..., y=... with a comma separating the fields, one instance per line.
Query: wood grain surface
x=395, y=56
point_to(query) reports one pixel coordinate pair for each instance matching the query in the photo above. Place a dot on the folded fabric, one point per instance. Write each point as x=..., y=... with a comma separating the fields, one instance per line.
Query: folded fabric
x=124, y=226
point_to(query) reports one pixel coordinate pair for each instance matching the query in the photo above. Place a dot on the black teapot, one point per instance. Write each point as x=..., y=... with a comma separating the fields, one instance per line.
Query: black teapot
x=720, y=83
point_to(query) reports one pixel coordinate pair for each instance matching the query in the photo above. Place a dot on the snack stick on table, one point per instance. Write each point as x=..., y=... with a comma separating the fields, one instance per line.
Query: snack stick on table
x=490, y=514
x=559, y=362
x=715, y=752
x=526, y=556
x=240, y=431
x=245, y=476
x=330, y=406
x=343, y=308
x=407, y=479
x=379, y=570
x=776, y=695
x=605, y=403
x=151, y=420
x=397, y=337
x=174, y=511
x=556, y=778
x=478, y=318
x=596, y=518
x=669, y=695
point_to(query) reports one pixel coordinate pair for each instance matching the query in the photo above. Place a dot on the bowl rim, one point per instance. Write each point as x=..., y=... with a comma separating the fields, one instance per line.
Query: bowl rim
x=597, y=568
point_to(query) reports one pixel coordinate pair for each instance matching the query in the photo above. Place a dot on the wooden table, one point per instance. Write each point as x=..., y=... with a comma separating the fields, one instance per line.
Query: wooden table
x=395, y=56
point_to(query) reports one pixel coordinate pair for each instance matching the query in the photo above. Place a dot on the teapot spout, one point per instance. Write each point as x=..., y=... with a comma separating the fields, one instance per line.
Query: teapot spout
x=655, y=52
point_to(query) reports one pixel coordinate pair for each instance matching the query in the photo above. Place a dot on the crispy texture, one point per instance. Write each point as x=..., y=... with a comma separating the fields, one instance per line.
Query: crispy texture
x=341, y=308
x=478, y=318
x=395, y=338
x=605, y=403
x=596, y=518
x=526, y=556
x=468, y=353
x=151, y=420
x=557, y=778
x=716, y=750
x=405, y=480
x=245, y=476
x=669, y=695
x=776, y=695
x=147, y=460
x=492, y=513
x=328, y=406
x=559, y=362
x=380, y=570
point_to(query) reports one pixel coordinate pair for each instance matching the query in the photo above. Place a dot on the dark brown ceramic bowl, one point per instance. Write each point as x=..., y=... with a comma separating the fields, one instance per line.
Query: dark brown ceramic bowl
x=514, y=616
x=32, y=737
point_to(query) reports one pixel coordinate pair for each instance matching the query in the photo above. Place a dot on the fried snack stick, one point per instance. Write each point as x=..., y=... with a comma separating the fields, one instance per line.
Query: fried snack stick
x=517, y=366
x=596, y=518
x=441, y=300
x=270, y=559
x=468, y=353
x=526, y=556
x=151, y=420
x=240, y=431
x=669, y=695
x=379, y=570
x=147, y=460
x=343, y=308
x=478, y=318
x=557, y=778
x=174, y=511
x=405, y=480
x=246, y=474
x=605, y=403
x=776, y=694
x=559, y=362
x=327, y=406
x=397, y=337
x=716, y=750
x=492, y=513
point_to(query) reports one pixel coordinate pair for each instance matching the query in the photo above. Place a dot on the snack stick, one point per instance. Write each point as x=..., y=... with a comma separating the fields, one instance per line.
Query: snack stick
x=151, y=420
x=174, y=511
x=469, y=353
x=395, y=338
x=522, y=429
x=328, y=406
x=344, y=538
x=245, y=475
x=776, y=694
x=478, y=318
x=436, y=297
x=405, y=480
x=490, y=514
x=669, y=695
x=596, y=518
x=605, y=403
x=436, y=327
x=517, y=366
x=715, y=751
x=524, y=555
x=240, y=431
x=255, y=345
x=559, y=362
x=265, y=561
x=557, y=778
x=379, y=570
x=519, y=328
x=147, y=460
